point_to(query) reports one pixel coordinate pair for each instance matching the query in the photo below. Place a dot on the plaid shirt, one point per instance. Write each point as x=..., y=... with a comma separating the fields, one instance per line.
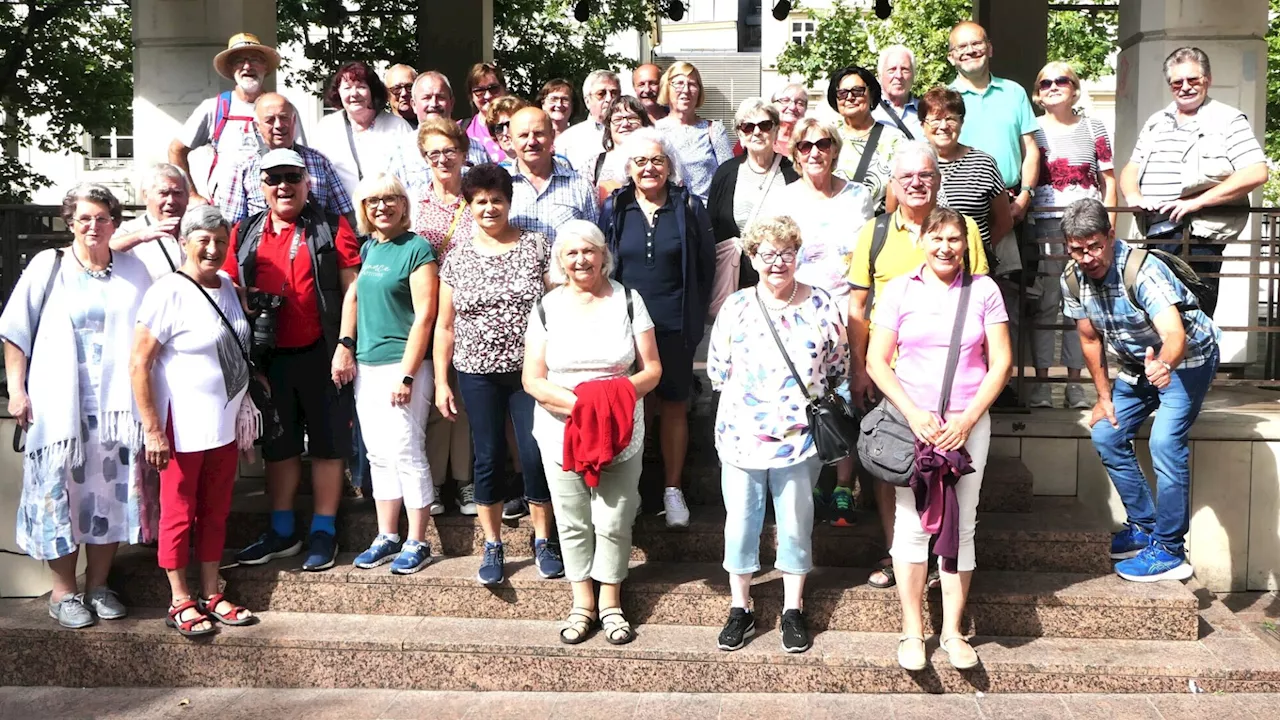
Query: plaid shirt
x=243, y=197
x=1127, y=327
x=565, y=197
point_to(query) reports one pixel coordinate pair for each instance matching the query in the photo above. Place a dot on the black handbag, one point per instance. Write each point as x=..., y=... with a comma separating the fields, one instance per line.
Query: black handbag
x=832, y=421
x=20, y=445
x=886, y=444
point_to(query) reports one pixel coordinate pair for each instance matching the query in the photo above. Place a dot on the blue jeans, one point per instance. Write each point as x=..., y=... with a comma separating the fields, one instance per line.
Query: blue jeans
x=1167, y=517
x=490, y=398
x=744, y=499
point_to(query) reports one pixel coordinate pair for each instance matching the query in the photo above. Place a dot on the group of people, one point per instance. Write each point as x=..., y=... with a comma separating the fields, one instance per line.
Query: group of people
x=514, y=289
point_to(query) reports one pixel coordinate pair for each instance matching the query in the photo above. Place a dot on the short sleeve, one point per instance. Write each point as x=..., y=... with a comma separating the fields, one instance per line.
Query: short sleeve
x=347, y=244
x=1243, y=149
x=1140, y=149
x=991, y=176
x=860, y=266
x=158, y=311
x=1102, y=149
x=720, y=142
x=231, y=265
x=198, y=129
x=993, y=310
x=535, y=332
x=423, y=253
x=977, y=251
x=1071, y=307
x=448, y=269
x=888, y=315
x=590, y=208
x=1027, y=123
x=641, y=322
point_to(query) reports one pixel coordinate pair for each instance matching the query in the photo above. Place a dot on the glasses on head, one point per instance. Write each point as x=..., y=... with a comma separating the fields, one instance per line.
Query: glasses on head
x=1078, y=253
x=658, y=161
x=621, y=121
x=401, y=89
x=87, y=221
x=491, y=89
x=435, y=157
x=1195, y=82
x=769, y=257
x=274, y=179
x=749, y=128
x=805, y=146
x=951, y=120
x=1061, y=81
x=606, y=93
x=857, y=91
x=925, y=178
x=969, y=46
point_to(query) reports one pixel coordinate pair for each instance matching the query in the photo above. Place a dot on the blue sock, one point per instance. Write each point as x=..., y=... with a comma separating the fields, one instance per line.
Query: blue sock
x=324, y=523
x=282, y=522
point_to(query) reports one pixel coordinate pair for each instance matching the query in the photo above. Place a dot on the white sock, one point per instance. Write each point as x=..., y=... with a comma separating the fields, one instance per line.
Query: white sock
x=393, y=537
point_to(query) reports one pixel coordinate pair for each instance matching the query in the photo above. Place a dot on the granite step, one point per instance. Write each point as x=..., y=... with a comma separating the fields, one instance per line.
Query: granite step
x=354, y=651
x=1059, y=535
x=1013, y=604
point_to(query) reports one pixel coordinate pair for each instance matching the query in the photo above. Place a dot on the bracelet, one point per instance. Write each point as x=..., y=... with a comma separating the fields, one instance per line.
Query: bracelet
x=1168, y=368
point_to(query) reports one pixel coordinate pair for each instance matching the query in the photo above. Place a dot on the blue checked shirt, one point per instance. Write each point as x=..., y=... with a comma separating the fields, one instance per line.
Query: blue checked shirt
x=565, y=197
x=1125, y=326
x=412, y=169
x=243, y=197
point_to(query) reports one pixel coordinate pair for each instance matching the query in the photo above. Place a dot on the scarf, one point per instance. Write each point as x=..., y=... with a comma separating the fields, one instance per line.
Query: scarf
x=934, y=484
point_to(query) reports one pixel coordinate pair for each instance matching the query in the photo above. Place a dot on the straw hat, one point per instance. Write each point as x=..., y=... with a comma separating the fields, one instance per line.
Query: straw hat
x=239, y=43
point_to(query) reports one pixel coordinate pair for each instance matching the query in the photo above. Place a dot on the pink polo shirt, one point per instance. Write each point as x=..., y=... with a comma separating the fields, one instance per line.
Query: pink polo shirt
x=923, y=314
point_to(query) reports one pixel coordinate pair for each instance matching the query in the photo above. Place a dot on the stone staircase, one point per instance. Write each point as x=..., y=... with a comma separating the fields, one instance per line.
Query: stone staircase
x=1047, y=613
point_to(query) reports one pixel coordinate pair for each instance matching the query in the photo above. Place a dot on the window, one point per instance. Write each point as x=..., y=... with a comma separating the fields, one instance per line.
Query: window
x=801, y=30
x=108, y=149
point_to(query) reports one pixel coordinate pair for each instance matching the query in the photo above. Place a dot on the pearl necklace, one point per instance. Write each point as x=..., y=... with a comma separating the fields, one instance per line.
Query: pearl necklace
x=794, y=287
x=102, y=274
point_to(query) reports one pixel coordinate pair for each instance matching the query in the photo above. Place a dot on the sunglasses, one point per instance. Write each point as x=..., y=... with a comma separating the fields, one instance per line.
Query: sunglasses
x=854, y=92
x=274, y=179
x=804, y=146
x=1060, y=81
x=1194, y=82
x=502, y=127
x=749, y=128
x=487, y=90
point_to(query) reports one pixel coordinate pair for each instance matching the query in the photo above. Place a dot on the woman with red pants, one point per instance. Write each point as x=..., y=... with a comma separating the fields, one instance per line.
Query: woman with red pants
x=190, y=374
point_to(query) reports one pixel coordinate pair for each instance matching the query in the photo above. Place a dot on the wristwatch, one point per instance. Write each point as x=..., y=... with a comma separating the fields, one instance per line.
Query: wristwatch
x=408, y=380
x=347, y=342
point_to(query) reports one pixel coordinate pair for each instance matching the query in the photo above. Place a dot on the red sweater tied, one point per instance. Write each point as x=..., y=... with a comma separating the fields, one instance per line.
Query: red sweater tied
x=599, y=427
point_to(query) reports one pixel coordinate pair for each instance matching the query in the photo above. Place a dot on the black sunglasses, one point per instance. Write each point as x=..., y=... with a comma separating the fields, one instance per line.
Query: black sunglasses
x=748, y=128
x=804, y=146
x=273, y=179
x=1060, y=81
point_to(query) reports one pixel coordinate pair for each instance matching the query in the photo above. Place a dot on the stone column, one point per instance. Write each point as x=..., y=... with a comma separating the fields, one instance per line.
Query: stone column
x=1019, y=31
x=1231, y=33
x=453, y=37
x=174, y=44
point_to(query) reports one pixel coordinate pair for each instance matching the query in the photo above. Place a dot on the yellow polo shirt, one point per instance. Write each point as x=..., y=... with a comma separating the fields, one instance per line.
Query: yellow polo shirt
x=901, y=254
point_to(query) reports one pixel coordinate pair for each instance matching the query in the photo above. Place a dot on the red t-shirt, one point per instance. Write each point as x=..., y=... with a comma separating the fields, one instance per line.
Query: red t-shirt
x=300, y=315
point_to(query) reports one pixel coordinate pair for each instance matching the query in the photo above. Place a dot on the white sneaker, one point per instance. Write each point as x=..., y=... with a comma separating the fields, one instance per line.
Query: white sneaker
x=1041, y=396
x=1076, y=399
x=467, y=499
x=437, y=508
x=677, y=510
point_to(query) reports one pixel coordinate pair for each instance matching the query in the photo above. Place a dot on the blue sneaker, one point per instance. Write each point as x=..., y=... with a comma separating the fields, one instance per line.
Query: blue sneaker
x=1129, y=542
x=269, y=547
x=415, y=556
x=322, y=552
x=382, y=551
x=1155, y=563
x=491, y=566
x=546, y=556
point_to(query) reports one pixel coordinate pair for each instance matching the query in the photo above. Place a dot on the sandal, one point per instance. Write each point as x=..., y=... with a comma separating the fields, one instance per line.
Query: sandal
x=577, y=626
x=951, y=658
x=237, y=616
x=885, y=572
x=934, y=580
x=186, y=627
x=617, y=631
x=908, y=658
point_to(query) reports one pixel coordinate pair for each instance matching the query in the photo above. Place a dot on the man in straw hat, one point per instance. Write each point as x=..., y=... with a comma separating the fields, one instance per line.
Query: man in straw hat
x=226, y=122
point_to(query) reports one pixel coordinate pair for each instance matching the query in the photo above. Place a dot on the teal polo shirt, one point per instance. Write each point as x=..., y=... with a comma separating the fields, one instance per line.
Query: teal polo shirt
x=995, y=121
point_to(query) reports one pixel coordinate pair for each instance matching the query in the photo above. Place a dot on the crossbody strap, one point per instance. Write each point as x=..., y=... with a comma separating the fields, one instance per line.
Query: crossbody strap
x=774, y=331
x=953, y=353
x=897, y=119
x=864, y=162
x=243, y=353
x=768, y=183
x=351, y=141
x=48, y=290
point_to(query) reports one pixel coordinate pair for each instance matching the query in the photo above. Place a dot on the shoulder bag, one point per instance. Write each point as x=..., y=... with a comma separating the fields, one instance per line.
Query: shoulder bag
x=886, y=445
x=18, y=445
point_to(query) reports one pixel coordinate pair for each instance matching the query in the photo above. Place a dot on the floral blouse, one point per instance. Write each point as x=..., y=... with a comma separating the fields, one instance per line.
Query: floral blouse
x=440, y=224
x=878, y=172
x=761, y=421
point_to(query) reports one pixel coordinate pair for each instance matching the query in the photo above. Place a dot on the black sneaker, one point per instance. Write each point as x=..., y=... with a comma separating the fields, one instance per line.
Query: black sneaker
x=741, y=625
x=322, y=552
x=795, y=632
x=515, y=509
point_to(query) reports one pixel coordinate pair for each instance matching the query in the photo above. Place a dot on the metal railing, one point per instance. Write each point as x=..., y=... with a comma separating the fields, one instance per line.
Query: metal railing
x=25, y=230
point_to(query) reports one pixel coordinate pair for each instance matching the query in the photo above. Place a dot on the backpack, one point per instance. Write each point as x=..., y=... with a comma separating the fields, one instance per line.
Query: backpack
x=220, y=116
x=878, y=237
x=631, y=314
x=1203, y=293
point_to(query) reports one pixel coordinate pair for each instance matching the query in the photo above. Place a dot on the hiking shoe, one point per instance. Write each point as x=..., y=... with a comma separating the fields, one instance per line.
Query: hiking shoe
x=322, y=552
x=842, y=507
x=270, y=546
x=515, y=509
x=70, y=612
x=436, y=507
x=467, y=499
x=1041, y=396
x=1076, y=399
x=382, y=551
x=491, y=566
x=741, y=626
x=1155, y=563
x=546, y=556
x=1129, y=542
x=104, y=603
x=795, y=632
x=412, y=558
x=676, y=510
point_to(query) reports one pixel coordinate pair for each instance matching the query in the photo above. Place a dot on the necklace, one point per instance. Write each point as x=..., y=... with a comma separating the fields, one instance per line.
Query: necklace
x=102, y=274
x=794, y=286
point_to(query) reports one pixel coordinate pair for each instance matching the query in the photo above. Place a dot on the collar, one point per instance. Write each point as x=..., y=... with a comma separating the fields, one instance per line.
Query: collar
x=918, y=275
x=1171, y=111
x=899, y=219
x=996, y=83
x=557, y=170
x=912, y=103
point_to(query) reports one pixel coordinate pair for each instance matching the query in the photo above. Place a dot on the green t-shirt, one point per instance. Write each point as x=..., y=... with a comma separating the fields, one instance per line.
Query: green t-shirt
x=384, y=303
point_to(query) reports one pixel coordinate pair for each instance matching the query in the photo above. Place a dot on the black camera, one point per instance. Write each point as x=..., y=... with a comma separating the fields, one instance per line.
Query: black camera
x=265, y=323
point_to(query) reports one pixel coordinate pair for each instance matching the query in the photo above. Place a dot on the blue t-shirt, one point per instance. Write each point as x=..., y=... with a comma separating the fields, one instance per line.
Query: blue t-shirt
x=652, y=262
x=995, y=121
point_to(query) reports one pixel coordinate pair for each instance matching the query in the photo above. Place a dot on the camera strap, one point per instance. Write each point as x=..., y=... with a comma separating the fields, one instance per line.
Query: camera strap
x=297, y=240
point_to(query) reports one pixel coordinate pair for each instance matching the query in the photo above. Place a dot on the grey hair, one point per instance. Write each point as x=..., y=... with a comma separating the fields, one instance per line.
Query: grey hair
x=578, y=230
x=791, y=86
x=885, y=53
x=164, y=170
x=914, y=147
x=432, y=75
x=1187, y=54
x=202, y=217
x=1085, y=218
x=802, y=128
x=754, y=105
x=652, y=135
x=94, y=193
x=596, y=76
x=781, y=232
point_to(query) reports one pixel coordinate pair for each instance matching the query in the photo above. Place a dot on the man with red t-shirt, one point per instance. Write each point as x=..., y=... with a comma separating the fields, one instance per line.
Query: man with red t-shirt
x=297, y=251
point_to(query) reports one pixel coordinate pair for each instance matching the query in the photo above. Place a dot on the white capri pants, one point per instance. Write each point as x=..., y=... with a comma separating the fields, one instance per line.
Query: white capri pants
x=395, y=436
x=911, y=542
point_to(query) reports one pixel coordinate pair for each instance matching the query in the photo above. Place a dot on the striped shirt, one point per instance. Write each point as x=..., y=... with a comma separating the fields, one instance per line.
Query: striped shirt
x=242, y=195
x=1072, y=161
x=565, y=197
x=969, y=185
x=1219, y=133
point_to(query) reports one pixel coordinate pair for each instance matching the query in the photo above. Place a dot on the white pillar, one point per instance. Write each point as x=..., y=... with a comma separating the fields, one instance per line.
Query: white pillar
x=1231, y=33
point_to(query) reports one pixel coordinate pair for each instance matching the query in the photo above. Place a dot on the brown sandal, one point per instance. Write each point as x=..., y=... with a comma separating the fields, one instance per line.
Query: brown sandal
x=238, y=616
x=885, y=570
x=184, y=627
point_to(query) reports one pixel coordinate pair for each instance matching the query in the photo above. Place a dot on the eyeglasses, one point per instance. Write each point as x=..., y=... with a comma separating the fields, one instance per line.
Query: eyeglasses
x=1060, y=81
x=749, y=128
x=621, y=121
x=401, y=88
x=435, y=157
x=803, y=102
x=604, y=93
x=769, y=258
x=558, y=100
x=927, y=177
x=684, y=86
x=857, y=91
x=951, y=120
x=86, y=221
x=823, y=145
x=387, y=200
x=658, y=161
x=492, y=89
x=1194, y=82
x=1078, y=253
x=274, y=179
x=969, y=46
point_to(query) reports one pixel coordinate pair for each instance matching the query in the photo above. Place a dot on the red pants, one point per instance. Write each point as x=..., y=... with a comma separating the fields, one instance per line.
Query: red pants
x=195, y=489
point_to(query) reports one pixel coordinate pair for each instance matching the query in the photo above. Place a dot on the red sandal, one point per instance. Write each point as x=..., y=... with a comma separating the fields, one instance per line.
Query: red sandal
x=238, y=616
x=184, y=627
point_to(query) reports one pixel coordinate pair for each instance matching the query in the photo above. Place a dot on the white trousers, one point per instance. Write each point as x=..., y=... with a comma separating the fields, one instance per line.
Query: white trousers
x=395, y=436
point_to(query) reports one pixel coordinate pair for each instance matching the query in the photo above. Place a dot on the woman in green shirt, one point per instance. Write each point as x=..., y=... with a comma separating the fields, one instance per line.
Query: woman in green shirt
x=390, y=311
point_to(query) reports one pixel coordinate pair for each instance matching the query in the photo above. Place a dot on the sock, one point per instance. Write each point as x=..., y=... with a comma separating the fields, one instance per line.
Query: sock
x=282, y=522
x=324, y=523
x=393, y=537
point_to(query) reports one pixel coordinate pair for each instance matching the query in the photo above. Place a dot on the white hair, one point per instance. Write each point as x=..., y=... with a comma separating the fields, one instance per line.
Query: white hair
x=804, y=90
x=578, y=230
x=163, y=170
x=914, y=147
x=654, y=136
x=885, y=53
x=595, y=77
x=432, y=75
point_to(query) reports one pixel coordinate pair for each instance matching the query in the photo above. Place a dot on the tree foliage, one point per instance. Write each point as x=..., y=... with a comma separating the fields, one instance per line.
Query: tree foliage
x=69, y=60
x=1271, y=192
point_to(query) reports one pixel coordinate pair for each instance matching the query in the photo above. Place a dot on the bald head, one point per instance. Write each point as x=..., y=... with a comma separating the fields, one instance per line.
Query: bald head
x=970, y=51
x=276, y=120
x=531, y=136
x=399, y=81
x=645, y=79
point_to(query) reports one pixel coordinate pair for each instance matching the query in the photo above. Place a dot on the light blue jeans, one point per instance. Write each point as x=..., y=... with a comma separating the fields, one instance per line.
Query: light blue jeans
x=744, y=499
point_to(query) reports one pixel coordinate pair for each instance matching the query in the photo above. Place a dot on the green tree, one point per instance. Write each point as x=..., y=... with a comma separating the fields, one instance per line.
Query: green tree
x=1271, y=191
x=67, y=60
